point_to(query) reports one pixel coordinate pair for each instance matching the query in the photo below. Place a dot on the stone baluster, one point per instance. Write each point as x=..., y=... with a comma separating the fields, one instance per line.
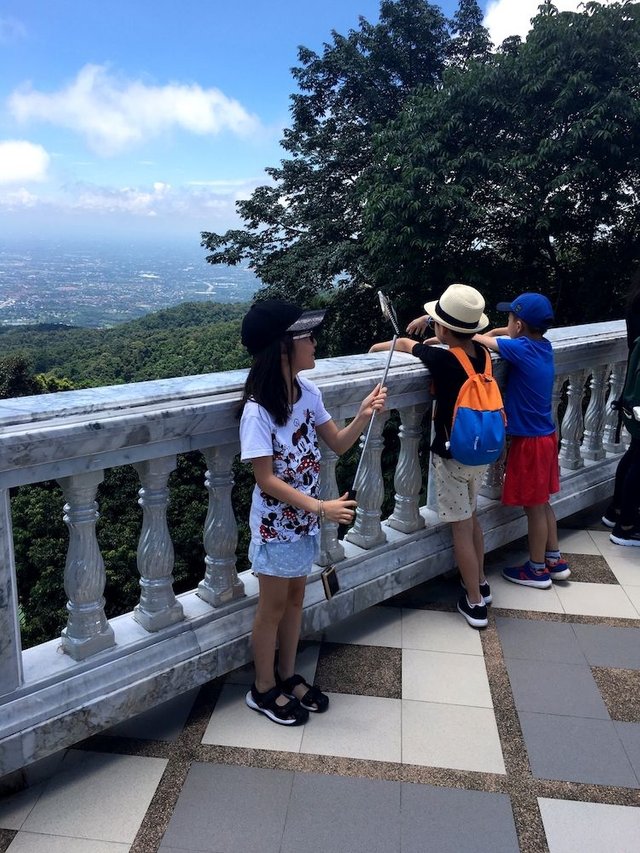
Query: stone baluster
x=221, y=583
x=87, y=631
x=10, y=644
x=331, y=550
x=158, y=606
x=492, y=481
x=616, y=384
x=571, y=428
x=367, y=531
x=408, y=476
x=592, y=446
x=556, y=394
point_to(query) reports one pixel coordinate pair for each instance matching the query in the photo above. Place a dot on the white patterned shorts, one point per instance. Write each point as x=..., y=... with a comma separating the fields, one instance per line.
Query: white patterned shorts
x=284, y=559
x=456, y=487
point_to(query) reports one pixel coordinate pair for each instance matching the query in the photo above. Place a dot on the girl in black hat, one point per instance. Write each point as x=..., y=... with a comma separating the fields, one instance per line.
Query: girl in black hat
x=282, y=415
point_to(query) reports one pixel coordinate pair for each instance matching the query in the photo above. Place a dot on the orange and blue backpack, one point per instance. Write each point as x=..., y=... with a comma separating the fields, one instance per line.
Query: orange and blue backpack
x=479, y=423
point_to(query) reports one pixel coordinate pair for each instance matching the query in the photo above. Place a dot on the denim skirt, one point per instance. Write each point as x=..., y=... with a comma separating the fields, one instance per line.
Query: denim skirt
x=284, y=559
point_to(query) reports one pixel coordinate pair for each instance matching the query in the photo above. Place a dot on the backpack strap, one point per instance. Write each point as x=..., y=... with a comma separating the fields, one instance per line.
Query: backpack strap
x=465, y=361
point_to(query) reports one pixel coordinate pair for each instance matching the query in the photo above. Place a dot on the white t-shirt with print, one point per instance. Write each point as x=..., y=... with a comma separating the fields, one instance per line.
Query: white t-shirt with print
x=296, y=461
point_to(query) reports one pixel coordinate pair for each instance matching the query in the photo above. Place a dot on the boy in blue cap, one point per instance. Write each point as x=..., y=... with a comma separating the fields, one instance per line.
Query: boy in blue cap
x=531, y=475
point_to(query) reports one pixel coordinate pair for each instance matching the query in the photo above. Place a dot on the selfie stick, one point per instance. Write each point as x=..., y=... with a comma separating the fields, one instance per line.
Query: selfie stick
x=387, y=311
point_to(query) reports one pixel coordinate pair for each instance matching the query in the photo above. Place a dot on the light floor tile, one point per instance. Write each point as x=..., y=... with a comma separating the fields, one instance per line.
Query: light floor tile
x=444, y=677
x=29, y=842
x=590, y=827
x=97, y=796
x=576, y=542
x=377, y=626
x=14, y=810
x=452, y=736
x=438, y=632
x=623, y=562
x=633, y=592
x=366, y=727
x=512, y=596
x=233, y=723
x=596, y=599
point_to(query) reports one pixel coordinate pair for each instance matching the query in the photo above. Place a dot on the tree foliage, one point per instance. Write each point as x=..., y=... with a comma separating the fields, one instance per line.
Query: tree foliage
x=417, y=155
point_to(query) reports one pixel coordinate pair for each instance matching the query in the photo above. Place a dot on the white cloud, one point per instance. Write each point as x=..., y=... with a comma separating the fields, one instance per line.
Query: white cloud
x=22, y=161
x=205, y=207
x=114, y=114
x=505, y=18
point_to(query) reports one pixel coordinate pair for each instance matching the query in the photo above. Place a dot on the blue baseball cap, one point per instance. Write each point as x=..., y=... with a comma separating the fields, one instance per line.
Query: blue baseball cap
x=534, y=308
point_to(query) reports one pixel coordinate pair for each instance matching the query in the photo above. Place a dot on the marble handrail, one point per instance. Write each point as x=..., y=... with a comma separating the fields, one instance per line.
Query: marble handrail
x=73, y=437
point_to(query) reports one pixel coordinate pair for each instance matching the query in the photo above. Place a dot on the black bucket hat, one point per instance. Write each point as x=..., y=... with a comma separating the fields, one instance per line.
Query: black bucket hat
x=270, y=320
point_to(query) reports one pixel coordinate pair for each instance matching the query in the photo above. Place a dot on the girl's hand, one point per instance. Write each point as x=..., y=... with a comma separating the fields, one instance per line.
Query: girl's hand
x=418, y=326
x=341, y=510
x=374, y=402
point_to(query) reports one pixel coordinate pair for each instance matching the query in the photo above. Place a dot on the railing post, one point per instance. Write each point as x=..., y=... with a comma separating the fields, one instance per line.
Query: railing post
x=367, y=531
x=221, y=583
x=616, y=383
x=158, y=606
x=493, y=479
x=408, y=476
x=10, y=644
x=556, y=393
x=331, y=550
x=570, y=456
x=592, y=446
x=87, y=631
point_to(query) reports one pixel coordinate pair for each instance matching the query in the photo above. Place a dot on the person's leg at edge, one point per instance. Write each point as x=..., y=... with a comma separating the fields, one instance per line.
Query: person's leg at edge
x=289, y=633
x=538, y=532
x=466, y=556
x=272, y=604
x=478, y=544
x=552, y=529
x=630, y=488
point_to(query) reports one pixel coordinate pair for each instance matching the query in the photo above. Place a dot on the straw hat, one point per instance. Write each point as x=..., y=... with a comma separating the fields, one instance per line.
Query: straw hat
x=460, y=308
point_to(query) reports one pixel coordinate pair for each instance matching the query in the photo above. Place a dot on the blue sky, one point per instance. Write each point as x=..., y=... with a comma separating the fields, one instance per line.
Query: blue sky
x=132, y=117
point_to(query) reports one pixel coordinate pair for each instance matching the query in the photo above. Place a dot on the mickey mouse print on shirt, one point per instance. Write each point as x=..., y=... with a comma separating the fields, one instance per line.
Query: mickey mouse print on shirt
x=296, y=461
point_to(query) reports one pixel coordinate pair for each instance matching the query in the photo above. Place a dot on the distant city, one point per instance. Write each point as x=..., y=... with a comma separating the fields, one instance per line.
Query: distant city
x=99, y=283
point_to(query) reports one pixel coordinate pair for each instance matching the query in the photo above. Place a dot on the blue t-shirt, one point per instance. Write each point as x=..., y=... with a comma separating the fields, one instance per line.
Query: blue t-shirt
x=529, y=386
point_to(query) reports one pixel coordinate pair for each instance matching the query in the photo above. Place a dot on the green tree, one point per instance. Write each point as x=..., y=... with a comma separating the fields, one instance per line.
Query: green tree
x=521, y=172
x=302, y=232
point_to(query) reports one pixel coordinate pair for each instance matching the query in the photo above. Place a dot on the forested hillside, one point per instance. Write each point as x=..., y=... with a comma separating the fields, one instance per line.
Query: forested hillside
x=186, y=340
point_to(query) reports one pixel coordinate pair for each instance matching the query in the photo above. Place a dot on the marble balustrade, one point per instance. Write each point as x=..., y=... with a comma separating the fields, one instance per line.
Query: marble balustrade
x=101, y=671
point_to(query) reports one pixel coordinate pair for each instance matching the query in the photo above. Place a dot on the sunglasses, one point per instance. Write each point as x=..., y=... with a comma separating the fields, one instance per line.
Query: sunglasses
x=303, y=336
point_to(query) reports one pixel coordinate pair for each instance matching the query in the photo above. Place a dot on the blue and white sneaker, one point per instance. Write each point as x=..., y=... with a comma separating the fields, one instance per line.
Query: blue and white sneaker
x=526, y=575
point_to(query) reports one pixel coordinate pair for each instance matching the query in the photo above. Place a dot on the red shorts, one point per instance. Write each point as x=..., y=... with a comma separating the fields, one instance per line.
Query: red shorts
x=532, y=472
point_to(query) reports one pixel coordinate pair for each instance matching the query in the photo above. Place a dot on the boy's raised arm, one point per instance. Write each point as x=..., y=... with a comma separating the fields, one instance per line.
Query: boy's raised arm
x=402, y=345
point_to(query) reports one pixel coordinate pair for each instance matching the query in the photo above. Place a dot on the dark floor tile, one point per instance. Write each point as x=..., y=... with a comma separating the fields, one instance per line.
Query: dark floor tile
x=574, y=749
x=363, y=670
x=225, y=808
x=629, y=734
x=337, y=814
x=620, y=689
x=536, y=639
x=555, y=688
x=589, y=568
x=448, y=820
x=607, y=646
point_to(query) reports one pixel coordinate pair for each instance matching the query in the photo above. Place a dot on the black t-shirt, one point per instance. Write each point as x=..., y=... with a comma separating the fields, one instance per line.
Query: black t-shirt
x=448, y=377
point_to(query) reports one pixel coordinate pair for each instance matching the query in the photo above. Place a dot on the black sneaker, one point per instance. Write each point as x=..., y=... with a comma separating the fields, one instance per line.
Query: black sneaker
x=485, y=591
x=611, y=516
x=475, y=614
x=630, y=536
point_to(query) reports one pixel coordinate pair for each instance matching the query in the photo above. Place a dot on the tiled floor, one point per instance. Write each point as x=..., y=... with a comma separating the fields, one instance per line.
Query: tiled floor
x=524, y=737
